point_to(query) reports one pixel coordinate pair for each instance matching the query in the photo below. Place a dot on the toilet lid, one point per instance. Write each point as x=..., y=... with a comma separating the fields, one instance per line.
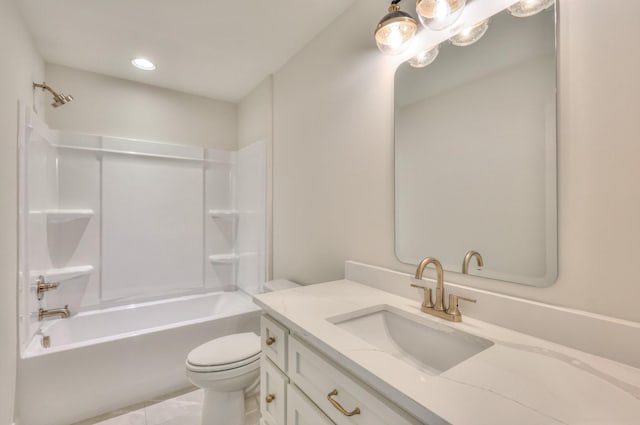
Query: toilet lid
x=226, y=350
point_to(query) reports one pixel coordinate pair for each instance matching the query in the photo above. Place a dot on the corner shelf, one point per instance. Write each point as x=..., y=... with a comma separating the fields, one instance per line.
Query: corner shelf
x=224, y=214
x=224, y=259
x=65, y=215
x=62, y=274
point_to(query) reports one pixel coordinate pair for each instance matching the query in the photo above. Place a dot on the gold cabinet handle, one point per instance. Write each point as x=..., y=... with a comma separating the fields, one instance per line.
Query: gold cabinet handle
x=269, y=398
x=271, y=340
x=337, y=405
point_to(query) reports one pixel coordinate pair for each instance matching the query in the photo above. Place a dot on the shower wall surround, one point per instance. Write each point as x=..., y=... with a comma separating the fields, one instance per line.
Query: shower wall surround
x=117, y=221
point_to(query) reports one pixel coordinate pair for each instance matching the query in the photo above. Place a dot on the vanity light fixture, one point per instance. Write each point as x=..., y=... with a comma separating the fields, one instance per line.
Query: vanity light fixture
x=525, y=8
x=439, y=14
x=395, y=30
x=144, y=64
x=425, y=57
x=471, y=34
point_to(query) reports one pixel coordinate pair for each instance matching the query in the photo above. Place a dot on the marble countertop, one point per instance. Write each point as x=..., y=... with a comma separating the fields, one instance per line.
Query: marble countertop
x=518, y=380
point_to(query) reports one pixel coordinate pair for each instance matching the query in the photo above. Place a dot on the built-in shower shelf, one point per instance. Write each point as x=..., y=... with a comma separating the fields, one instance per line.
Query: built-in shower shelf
x=224, y=214
x=224, y=259
x=62, y=274
x=66, y=215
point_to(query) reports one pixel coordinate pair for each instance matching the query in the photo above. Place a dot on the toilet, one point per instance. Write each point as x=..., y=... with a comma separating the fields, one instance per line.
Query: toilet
x=228, y=369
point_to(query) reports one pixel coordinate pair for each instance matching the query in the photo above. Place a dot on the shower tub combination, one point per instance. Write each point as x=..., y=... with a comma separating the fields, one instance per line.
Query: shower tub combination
x=154, y=249
x=103, y=360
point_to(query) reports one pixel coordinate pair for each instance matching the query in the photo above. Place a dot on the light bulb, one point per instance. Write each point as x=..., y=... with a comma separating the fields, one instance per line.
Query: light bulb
x=525, y=8
x=395, y=30
x=439, y=14
x=471, y=34
x=425, y=57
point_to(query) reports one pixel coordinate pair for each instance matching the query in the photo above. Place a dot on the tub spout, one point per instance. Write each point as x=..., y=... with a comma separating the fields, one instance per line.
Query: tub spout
x=61, y=312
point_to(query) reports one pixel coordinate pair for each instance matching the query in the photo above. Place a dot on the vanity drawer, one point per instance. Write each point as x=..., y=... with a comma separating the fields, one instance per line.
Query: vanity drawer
x=273, y=396
x=320, y=380
x=274, y=341
x=301, y=411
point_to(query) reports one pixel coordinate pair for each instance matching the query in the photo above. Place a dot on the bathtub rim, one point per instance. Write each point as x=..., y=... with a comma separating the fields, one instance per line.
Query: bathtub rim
x=34, y=348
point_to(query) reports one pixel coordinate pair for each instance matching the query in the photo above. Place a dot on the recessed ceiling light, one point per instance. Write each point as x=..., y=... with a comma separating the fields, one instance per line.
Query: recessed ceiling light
x=144, y=64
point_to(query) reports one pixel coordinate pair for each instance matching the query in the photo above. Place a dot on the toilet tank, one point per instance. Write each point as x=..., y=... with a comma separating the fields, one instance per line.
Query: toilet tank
x=279, y=285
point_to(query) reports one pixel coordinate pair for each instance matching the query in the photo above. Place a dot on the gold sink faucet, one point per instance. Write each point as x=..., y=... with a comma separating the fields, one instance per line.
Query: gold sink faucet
x=451, y=313
x=439, y=306
x=467, y=260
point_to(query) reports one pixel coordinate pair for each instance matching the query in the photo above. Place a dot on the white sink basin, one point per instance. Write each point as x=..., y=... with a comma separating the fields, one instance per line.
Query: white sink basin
x=419, y=341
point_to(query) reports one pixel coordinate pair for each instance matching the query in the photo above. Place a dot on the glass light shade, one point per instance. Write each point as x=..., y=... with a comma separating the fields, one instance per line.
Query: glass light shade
x=395, y=31
x=525, y=8
x=471, y=34
x=425, y=57
x=439, y=14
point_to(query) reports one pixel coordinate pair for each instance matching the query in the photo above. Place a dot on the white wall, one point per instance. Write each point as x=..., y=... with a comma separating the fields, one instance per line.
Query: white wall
x=113, y=107
x=20, y=66
x=333, y=165
x=255, y=123
x=255, y=114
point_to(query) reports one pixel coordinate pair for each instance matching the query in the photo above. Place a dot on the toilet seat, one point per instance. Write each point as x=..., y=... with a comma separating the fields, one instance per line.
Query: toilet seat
x=246, y=365
x=238, y=352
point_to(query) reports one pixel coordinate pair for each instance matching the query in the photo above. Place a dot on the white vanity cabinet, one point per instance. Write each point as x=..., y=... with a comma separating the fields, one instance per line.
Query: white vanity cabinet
x=301, y=411
x=274, y=341
x=273, y=393
x=310, y=390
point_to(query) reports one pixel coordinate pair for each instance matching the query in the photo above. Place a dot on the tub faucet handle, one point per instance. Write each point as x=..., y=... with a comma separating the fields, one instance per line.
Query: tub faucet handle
x=43, y=286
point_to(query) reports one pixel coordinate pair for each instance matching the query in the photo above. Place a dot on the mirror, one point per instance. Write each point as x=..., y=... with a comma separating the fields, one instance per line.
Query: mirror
x=475, y=154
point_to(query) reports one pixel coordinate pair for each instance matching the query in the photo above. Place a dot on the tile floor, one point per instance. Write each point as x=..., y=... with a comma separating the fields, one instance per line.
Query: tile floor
x=181, y=410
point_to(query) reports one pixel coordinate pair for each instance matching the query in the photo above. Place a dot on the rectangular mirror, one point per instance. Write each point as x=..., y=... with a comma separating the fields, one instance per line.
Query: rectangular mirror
x=475, y=154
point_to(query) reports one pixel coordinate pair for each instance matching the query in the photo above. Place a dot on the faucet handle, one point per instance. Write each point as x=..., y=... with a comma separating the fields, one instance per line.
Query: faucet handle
x=43, y=286
x=427, y=302
x=453, y=304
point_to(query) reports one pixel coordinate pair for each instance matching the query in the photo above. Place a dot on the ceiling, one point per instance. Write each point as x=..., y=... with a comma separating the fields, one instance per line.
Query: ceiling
x=213, y=48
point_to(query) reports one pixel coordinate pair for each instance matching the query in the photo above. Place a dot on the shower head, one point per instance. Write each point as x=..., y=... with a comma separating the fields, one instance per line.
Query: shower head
x=59, y=99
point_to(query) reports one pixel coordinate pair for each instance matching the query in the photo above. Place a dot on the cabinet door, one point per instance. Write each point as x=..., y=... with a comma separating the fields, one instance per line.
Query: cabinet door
x=274, y=341
x=273, y=397
x=301, y=411
x=338, y=395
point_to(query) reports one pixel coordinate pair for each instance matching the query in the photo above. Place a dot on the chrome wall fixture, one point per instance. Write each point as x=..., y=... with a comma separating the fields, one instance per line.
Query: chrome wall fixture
x=59, y=99
x=396, y=29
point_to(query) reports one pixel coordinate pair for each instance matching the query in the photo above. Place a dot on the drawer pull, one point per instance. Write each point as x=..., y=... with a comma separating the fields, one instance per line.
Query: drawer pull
x=271, y=340
x=337, y=405
x=269, y=398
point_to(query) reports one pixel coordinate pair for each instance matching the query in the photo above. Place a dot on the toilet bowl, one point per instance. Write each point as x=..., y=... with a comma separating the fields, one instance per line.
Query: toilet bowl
x=228, y=370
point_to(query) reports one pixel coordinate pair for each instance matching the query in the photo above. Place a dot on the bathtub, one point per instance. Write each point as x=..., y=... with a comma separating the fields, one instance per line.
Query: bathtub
x=102, y=360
